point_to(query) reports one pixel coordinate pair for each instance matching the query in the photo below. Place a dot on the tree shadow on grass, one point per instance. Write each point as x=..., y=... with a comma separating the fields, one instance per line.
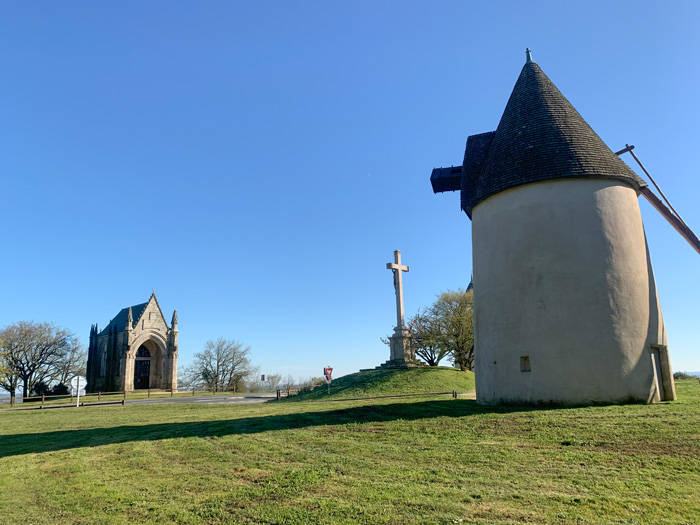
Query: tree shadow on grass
x=16, y=444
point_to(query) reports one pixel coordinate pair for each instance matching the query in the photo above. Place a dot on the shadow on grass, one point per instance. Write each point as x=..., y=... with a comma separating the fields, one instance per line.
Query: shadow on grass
x=15, y=444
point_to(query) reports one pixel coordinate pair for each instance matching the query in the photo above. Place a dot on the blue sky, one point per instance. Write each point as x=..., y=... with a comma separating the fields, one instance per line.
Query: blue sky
x=258, y=162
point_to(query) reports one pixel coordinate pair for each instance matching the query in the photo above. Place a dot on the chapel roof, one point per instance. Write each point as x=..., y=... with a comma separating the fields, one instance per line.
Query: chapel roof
x=540, y=137
x=118, y=324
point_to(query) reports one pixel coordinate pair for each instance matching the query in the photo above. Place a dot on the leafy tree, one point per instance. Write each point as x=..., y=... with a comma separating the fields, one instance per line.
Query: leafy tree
x=446, y=328
x=222, y=365
x=453, y=312
x=36, y=353
x=426, y=337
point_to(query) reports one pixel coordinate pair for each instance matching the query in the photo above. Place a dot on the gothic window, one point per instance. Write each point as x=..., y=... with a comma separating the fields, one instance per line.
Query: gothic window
x=103, y=358
x=142, y=352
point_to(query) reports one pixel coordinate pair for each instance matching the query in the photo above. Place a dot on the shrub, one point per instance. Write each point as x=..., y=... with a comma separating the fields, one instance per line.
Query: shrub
x=308, y=385
x=682, y=375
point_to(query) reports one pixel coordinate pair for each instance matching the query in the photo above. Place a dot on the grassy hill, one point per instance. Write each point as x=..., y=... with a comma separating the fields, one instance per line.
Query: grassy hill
x=391, y=383
x=397, y=460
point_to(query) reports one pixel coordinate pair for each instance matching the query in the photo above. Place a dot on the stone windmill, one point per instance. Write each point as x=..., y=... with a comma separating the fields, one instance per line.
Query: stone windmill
x=566, y=308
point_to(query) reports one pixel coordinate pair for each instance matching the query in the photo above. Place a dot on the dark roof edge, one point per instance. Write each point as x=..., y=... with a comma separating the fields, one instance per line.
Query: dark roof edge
x=629, y=182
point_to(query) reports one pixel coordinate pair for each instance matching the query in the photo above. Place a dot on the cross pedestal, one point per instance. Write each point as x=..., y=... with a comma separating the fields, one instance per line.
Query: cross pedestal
x=402, y=354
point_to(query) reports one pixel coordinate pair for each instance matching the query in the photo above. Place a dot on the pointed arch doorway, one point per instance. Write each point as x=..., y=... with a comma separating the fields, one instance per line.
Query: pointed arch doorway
x=145, y=363
x=142, y=368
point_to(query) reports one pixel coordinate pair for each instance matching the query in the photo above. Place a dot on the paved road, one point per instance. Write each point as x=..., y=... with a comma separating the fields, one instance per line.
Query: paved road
x=208, y=400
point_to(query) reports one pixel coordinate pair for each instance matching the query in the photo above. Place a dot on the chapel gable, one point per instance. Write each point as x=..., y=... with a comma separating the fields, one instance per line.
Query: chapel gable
x=151, y=317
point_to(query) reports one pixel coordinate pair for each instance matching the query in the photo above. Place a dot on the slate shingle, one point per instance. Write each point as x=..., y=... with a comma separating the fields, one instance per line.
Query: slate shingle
x=540, y=137
x=118, y=324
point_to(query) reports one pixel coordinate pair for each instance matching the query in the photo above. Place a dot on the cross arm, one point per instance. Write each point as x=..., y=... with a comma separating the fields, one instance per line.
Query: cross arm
x=394, y=266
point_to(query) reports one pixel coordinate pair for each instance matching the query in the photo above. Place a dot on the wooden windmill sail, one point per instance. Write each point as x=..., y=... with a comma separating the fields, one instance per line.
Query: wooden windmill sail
x=668, y=212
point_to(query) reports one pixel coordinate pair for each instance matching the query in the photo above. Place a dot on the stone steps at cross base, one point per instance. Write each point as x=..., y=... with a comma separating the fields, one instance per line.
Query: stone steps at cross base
x=396, y=363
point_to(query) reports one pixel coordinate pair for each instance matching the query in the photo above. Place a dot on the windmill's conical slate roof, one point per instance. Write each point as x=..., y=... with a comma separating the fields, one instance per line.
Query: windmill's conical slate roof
x=540, y=137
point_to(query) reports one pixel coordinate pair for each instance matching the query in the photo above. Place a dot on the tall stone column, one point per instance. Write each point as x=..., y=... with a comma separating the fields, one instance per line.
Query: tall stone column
x=401, y=354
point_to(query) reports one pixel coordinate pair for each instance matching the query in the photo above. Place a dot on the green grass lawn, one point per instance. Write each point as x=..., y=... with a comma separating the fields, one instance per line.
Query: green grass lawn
x=391, y=383
x=405, y=460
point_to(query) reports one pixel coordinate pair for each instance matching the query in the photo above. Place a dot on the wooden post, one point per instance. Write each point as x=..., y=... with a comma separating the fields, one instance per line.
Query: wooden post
x=278, y=394
x=99, y=396
x=42, y=400
x=192, y=391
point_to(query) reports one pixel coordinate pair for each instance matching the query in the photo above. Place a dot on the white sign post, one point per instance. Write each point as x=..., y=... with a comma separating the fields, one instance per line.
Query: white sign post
x=78, y=383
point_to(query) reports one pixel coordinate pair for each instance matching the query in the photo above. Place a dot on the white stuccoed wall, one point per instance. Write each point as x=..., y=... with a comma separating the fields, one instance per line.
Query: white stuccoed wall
x=562, y=275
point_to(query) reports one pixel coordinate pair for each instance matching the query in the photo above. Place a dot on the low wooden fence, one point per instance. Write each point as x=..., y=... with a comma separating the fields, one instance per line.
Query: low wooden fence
x=286, y=392
x=108, y=398
x=454, y=394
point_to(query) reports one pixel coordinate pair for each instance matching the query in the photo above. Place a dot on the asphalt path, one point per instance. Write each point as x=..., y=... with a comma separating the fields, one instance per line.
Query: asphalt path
x=207, y=400
x=232, y=399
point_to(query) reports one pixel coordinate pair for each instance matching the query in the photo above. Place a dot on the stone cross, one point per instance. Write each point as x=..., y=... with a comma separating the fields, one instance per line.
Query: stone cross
x=397, y=268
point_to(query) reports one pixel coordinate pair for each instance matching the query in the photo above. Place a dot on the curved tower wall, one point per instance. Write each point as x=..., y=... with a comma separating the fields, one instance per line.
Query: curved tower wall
x=566, y=309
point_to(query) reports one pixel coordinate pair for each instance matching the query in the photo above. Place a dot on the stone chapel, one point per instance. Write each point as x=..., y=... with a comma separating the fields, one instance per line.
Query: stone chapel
x=136, y=350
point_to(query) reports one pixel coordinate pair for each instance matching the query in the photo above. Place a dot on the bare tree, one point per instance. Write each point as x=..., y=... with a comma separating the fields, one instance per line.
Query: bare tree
x=73, y=363
x=34, y=352
x=9, y=380
x=272, y=382
x=222, y=365
x=288, y=383
x=307, y=385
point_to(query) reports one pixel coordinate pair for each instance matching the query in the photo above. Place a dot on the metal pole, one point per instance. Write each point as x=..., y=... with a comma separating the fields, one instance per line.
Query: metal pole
x=670, y=214
x=654, y=183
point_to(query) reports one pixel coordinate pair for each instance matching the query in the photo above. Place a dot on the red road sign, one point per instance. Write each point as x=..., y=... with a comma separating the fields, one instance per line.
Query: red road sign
x=327, y=373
